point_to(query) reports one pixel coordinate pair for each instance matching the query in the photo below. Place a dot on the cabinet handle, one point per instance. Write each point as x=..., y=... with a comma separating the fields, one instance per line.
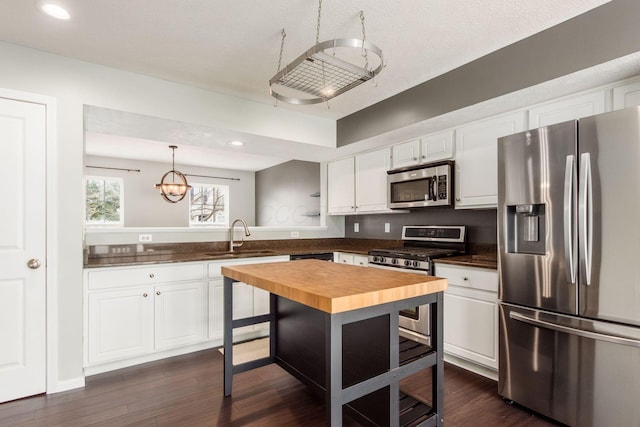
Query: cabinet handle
x=158, y=292
x=415, y=158
x=152, y=275
x=424, y=157
x=466, y=279
x=457, y=199
x=145, y=295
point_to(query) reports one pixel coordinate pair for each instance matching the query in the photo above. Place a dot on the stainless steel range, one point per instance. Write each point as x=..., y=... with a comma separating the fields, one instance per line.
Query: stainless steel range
x=422, y=244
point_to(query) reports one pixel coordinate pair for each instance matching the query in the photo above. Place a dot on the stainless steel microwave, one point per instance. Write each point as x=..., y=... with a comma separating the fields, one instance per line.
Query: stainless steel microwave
x=421, y=186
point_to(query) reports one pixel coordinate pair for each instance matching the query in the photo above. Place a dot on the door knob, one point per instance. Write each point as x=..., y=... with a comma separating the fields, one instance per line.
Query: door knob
x=34, y=263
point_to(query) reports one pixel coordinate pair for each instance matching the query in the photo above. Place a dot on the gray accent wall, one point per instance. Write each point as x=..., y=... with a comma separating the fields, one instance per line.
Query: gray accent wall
x=288, y=195
x=481, y=223
x=600, y=35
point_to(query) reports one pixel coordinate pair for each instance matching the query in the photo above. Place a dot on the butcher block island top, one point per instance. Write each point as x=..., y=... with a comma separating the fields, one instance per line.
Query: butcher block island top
x=332, y=287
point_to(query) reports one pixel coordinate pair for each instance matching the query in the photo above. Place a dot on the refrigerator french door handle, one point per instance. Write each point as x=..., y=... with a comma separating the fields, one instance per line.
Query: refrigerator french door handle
x=568, y=219
x=573, y=331
x=585, y=216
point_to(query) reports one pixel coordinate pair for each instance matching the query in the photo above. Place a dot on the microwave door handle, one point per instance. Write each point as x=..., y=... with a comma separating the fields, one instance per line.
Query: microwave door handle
x=434, y=188
x=567, y=219
x=585, y=216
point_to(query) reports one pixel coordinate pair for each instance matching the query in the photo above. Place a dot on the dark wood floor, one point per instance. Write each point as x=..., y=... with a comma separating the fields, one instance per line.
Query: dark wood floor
x=187, y=391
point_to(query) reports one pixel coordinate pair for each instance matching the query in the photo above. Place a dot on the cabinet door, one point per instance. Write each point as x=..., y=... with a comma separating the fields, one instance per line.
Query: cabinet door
x=120, y=324
x=341, y=186
x=180, y=314
x=471, y=325
x=567, y=109
x=626, y=96
x=406, y=154
x=371, y=180
x=216, y=309
x=436, y=147
x=477, y=159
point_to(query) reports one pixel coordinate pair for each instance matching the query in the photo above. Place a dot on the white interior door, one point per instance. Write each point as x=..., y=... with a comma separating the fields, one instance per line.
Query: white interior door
x=22, y=249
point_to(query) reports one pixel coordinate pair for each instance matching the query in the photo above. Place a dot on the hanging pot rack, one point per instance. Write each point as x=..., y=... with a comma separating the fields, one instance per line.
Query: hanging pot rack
x=321, y=76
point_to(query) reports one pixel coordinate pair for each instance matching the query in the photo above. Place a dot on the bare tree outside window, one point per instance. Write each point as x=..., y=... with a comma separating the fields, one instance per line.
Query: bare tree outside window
x=103, y=200
x=209, y=205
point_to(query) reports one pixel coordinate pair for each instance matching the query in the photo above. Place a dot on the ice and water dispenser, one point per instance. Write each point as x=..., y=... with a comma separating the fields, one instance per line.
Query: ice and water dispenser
x=526, y=229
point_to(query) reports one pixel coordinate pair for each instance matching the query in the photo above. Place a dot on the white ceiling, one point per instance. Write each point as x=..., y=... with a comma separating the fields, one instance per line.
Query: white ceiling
x=232, y=46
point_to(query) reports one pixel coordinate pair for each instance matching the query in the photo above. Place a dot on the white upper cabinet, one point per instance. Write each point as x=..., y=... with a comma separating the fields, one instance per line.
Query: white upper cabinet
x=477, y=159
x=359, y=184
x=406, y=154
x=341, y=186
x=438, y=146
x=567, y=109
x=429, y=148
x=371, y=180
x=627, y=95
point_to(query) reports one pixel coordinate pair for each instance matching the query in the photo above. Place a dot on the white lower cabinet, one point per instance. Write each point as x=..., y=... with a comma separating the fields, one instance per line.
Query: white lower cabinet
x=471, y=317
x=120, y=324
x=180, y=314
x=133, y=311
x=351, y=259
x=136, y=314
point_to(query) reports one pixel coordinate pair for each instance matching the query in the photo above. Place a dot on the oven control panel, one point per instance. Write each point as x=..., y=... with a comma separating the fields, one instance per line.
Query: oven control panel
x=411, y=264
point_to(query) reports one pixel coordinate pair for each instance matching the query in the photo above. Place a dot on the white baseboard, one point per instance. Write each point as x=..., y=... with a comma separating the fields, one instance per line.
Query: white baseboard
x=65, y=385
x=471, y=366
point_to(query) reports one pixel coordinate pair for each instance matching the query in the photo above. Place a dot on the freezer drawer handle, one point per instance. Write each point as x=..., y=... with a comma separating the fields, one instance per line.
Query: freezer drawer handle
x=585, y=217
x=573, y=331
x=568, y=219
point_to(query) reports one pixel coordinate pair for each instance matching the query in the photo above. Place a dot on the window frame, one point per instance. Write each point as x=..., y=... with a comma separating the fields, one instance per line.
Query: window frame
x=193, y=223
x=94, y=224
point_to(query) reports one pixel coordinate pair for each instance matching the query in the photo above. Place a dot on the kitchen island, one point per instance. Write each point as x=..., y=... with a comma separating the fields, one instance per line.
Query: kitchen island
x=335, y=327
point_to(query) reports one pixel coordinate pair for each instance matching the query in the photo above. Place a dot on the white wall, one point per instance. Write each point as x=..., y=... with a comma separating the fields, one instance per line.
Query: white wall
x=75, y=84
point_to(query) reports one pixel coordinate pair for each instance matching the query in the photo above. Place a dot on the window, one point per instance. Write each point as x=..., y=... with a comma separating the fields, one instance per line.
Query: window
x=103, y=200
x=209, y=205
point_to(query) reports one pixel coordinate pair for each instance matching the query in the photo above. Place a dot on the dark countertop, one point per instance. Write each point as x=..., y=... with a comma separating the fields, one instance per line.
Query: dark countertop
x=481, y=260
x=217, y=251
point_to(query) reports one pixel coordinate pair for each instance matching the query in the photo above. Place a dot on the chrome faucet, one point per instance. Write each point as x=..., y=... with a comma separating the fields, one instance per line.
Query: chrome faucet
x=231, y=230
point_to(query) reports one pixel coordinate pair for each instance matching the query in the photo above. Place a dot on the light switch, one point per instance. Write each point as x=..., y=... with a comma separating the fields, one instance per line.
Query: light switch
x=387, y=227
x=356, y=227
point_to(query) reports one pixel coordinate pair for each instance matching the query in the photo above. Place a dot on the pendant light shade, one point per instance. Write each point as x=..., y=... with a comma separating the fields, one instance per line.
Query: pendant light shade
x=173, y=185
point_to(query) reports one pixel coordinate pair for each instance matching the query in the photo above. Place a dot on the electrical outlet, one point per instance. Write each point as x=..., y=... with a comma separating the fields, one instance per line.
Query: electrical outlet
x=387, y=227
x=356, y=227
x=145, y=238
x=295, y=234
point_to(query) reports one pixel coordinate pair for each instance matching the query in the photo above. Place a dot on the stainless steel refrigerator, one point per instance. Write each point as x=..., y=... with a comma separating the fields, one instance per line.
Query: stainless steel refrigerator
x=569, y=256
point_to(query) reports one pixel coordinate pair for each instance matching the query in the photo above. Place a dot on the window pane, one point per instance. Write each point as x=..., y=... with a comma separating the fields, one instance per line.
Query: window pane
x=103, y=202
x=208, y=204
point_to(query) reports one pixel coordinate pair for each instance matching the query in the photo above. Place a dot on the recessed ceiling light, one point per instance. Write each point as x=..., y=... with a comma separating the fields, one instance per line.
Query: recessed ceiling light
x=236, y=143
x=53, y=10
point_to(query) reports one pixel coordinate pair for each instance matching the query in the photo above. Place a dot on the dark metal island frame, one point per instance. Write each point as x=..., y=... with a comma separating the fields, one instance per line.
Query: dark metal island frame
x=335, y=327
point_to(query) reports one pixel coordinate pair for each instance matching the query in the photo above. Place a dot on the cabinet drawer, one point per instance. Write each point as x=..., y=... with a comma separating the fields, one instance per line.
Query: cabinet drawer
x=469, y=277
x=151, y=274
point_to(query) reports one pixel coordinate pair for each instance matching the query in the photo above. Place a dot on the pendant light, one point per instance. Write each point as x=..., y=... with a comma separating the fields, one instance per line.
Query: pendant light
x=171, y=190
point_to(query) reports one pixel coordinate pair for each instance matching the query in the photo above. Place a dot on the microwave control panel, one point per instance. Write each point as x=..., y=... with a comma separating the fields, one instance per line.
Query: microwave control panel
x=442, y=187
